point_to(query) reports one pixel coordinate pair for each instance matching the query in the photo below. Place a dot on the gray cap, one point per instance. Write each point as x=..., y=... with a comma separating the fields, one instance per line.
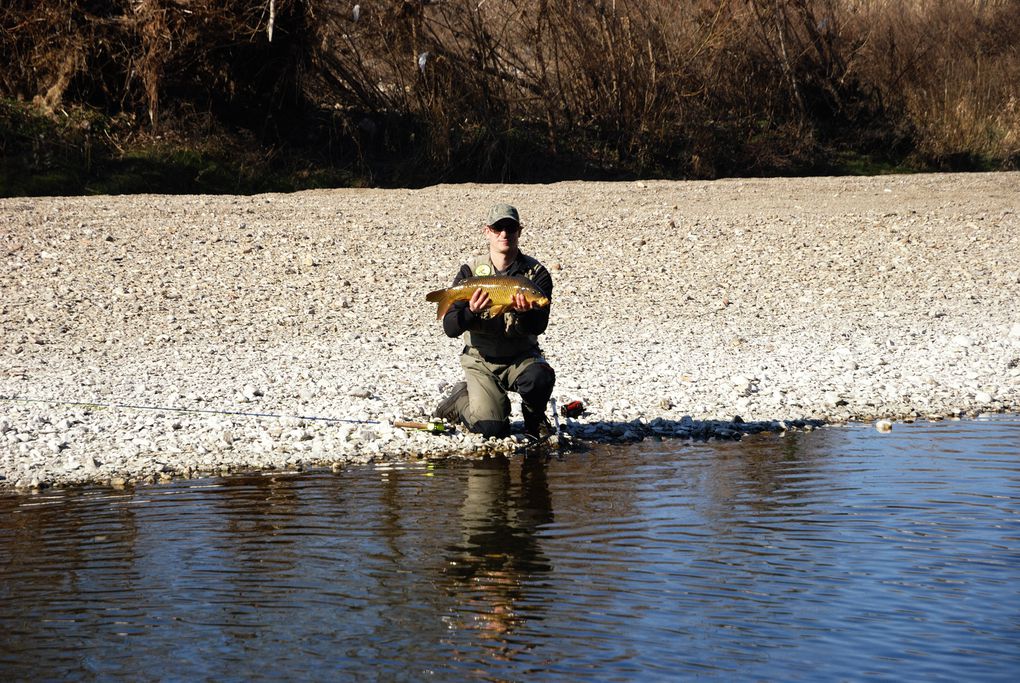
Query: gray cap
x=503, y=212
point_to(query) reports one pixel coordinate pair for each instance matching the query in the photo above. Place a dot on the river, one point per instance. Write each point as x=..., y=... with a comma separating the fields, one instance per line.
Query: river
x=835, y=554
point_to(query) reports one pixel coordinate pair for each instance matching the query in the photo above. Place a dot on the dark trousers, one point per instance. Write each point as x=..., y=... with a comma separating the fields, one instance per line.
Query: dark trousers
x=487, y=408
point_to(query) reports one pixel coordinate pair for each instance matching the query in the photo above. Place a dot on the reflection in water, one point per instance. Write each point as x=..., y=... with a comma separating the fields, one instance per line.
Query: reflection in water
x=766, y=475
x=76, y=565
x=499, y=550
x=255, y=545
x=839, y=554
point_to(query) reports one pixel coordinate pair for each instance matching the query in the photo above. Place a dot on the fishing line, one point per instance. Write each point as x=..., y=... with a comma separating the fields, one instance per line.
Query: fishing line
x=207, y=411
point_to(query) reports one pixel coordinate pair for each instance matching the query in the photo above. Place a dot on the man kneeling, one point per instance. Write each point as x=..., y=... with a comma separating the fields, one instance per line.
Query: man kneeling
x=501, y=353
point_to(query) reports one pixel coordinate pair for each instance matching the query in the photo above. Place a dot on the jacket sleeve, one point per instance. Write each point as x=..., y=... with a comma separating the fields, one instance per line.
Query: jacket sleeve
x=536, y=320
x=458, y=319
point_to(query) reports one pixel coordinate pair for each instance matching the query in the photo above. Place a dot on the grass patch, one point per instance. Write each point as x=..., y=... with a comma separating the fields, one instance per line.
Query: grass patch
x=78, y=151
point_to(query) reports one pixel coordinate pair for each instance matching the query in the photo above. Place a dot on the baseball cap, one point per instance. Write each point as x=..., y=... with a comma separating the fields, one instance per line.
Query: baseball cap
x=503, y=212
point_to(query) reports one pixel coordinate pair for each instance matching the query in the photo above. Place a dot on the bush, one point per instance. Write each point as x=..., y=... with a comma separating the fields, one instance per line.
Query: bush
x=413, y=91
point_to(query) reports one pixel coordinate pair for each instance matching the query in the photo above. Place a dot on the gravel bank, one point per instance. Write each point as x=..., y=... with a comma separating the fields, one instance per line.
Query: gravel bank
x=676, y=304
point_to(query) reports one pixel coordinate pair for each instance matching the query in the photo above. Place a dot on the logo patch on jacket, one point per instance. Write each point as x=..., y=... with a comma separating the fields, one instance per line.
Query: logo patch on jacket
x=483, y=270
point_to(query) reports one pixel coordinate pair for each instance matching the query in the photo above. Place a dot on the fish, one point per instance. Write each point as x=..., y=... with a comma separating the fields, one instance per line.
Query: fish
x=500, y=288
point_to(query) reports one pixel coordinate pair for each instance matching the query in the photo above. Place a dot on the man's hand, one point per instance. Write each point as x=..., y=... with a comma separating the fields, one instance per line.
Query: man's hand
x=521, y=303
x=479, y=301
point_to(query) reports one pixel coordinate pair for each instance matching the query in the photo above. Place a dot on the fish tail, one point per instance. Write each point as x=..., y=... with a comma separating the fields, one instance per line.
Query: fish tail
x=439, y=296
x=444, y=305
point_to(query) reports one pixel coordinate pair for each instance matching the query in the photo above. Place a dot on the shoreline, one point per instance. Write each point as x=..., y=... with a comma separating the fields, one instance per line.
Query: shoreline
x=677, y=306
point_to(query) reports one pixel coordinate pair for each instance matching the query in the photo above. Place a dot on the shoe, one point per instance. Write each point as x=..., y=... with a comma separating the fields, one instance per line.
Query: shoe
x=449, y=408
x=538, y=427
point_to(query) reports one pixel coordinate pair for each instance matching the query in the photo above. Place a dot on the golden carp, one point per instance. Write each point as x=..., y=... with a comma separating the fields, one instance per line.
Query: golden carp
x=500, y=288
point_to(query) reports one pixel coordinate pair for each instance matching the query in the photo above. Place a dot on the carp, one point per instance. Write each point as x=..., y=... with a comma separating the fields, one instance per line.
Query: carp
x=500, y=288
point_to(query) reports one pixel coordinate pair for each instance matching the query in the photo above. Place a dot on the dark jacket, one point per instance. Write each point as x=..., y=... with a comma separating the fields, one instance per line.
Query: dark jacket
x=511, y=334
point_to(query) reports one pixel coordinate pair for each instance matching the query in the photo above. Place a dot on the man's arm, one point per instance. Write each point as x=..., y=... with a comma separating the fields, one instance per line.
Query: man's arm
x=536, y=320
x=459, y=319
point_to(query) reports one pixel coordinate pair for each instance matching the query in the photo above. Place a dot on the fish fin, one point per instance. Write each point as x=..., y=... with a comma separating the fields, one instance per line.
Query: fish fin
x=497, y=310
x=435, y=296
x=444, y=304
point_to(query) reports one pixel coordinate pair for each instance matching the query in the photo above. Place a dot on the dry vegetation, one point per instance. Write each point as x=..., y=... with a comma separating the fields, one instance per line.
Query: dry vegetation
x=405, y=90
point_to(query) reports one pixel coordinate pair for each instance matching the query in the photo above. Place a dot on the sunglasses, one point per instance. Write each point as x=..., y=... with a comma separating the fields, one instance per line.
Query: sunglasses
x=508, y=228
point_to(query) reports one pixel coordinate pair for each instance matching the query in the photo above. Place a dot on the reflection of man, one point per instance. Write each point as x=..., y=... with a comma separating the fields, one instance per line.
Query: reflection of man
x=500, y=354
x=499, y=549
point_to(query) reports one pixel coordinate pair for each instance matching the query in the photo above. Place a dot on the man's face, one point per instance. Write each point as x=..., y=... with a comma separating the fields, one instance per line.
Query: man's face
x=503, y=236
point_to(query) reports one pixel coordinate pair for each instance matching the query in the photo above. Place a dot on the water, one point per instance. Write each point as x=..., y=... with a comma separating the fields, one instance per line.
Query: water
x=832, y=555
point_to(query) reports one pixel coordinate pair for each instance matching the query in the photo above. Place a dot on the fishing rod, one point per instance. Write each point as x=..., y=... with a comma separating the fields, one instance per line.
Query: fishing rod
x=433, y=426
x=208, y=411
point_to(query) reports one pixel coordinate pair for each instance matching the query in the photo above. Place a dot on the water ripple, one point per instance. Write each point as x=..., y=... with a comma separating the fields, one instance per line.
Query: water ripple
x=839, y=554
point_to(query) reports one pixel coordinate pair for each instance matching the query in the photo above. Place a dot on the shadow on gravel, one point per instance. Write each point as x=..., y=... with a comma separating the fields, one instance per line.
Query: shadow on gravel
x=580, y=431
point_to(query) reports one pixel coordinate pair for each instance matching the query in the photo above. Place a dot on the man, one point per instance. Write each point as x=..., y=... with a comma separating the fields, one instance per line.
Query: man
x=501, y=354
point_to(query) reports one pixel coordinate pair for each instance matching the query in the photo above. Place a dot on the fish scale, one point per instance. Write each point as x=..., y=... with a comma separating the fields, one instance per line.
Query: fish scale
x=500, y=288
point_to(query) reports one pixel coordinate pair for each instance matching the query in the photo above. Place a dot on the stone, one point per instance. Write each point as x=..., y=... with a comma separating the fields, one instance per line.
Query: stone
x=797, y=320
x=56, y=445
x=884, y=426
